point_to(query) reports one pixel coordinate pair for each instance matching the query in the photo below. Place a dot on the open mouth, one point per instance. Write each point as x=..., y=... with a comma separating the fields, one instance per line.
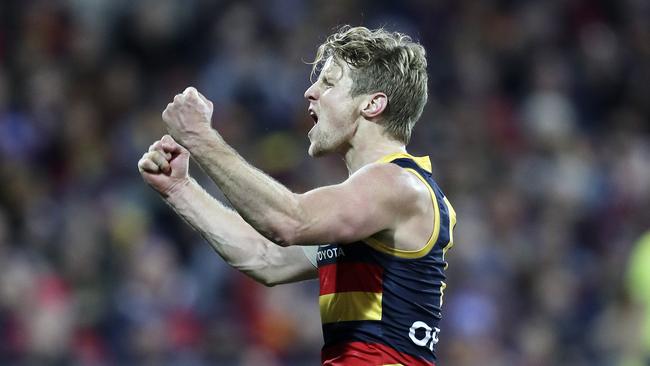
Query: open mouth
x=313, y=116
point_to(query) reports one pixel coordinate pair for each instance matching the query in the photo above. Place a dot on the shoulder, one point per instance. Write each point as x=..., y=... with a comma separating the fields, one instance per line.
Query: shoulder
x=391, y=184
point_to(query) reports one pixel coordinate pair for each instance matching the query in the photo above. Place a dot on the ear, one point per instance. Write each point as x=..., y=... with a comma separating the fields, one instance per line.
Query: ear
x=374, y=105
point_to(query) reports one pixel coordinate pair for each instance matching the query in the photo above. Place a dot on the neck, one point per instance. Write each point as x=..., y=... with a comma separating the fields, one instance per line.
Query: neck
x=365, y=150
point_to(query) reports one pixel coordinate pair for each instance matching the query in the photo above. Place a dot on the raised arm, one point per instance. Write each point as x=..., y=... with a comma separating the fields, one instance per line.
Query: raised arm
x=165, y=167
x=365, y=204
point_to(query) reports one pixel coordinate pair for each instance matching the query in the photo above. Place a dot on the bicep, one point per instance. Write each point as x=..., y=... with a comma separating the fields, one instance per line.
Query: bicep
x=354, y=210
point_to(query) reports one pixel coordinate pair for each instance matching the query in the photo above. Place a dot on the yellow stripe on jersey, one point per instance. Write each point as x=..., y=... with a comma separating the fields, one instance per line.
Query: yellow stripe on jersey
x=418, y=253
x=349, y=306
x=423, y=161
x=452, y=224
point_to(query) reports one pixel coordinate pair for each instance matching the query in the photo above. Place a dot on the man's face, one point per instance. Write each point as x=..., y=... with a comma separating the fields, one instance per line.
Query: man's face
x=334, y=111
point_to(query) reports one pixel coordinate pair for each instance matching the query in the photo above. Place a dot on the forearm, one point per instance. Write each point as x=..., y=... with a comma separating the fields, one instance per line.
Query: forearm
x=267, y=205
x=230, y=236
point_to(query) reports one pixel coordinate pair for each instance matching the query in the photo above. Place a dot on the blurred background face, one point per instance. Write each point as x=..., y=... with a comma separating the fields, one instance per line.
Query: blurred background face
x=333, y=109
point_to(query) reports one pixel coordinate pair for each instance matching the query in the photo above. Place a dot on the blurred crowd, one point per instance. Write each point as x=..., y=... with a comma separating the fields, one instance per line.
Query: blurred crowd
x=537, y=125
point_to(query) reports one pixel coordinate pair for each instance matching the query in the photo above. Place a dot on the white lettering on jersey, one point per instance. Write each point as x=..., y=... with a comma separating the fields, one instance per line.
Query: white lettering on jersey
x=430, y=335
x=330, y=253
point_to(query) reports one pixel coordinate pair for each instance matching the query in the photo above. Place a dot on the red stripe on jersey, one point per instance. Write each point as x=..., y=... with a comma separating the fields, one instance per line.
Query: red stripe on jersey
x=345, y=277
x=367, y=354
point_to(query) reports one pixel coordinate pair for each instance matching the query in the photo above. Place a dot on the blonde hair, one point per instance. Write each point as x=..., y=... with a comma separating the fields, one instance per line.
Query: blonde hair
x=382, y=61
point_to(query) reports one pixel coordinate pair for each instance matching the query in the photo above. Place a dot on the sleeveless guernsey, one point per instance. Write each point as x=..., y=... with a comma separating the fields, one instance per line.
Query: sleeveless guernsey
x=380, y=305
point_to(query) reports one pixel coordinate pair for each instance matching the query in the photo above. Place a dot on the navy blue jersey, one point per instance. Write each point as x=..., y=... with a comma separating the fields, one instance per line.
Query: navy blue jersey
x=381, y=305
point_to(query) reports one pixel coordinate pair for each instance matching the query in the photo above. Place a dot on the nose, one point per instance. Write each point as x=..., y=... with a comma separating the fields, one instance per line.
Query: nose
x=311, y=93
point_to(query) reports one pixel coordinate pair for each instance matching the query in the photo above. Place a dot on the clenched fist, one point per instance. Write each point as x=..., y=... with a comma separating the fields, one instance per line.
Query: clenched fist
x=188, y=116
x=165, y=166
